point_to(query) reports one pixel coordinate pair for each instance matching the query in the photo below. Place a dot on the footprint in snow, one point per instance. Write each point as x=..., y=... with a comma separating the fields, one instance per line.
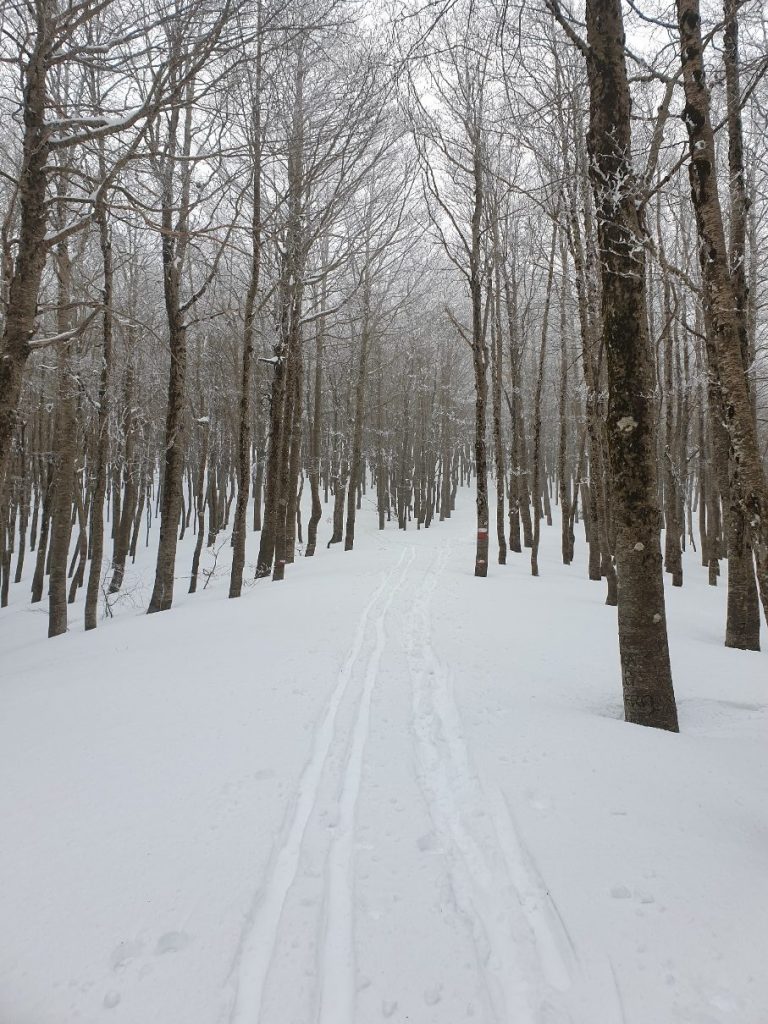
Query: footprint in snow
x=427, y=842
x=538, y=802
x=172, y=942
x=621, y=892
x=433, y=995
x=124, y=952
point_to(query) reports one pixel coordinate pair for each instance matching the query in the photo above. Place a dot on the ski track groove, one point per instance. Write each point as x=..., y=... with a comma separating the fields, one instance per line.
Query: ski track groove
x=521, y=951
x=525, y=955
x=337, y=994
x=261, y=928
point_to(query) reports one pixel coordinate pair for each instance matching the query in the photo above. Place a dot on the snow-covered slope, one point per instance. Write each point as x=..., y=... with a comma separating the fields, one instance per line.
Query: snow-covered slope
x=382, y=790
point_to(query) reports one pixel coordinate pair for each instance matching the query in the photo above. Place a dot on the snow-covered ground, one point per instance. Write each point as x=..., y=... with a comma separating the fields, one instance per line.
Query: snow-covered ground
x=381, y=790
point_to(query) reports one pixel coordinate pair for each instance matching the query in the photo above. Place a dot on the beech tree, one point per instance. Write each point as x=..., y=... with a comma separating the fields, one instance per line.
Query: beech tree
x=452, y=143
x=645, y=665
x=725, y=285
x=45, y=37
x=280, y=267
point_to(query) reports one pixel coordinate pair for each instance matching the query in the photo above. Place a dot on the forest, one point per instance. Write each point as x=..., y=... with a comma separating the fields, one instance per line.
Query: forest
x=467, y=296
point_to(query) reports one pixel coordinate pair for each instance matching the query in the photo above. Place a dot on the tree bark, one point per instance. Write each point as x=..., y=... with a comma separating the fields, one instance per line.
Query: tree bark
x=646, y=672
x=21, y=307
x=66, y=437
x=246, y=373
x=563, y=477
x=479, y=362
x=537, y=403
x=174, y=244
x=497, y=370
x=200, y=503
x=316, y=431
x=355, y=466
x=102, y=443
x=728, y=321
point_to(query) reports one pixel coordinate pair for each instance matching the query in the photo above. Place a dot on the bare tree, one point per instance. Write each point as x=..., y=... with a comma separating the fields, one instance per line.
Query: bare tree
x=631, y=428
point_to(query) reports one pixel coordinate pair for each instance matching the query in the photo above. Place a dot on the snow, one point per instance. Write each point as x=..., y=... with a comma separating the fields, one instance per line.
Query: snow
x=382, y=790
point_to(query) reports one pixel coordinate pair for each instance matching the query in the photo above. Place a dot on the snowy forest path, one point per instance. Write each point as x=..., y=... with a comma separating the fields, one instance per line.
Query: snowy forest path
x=391, y=803
x=523, y=951
x=382, y=792
x=533, y=968
x=335, y=764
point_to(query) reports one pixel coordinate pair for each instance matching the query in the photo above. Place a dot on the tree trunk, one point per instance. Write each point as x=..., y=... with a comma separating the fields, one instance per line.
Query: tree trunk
x=21, y=307
x=175, y=239
x=497, y=370
x=537, y=403
x=102, y=444
x=246, y=373
x=673, y=562
x=66, y=440
x=646, y=673
x=563, y=480
x=357, y=430
x=479, y=364
x=173, y=476
x=292, y=513
x=200, y=502
x=728, y=321
x=314, y=442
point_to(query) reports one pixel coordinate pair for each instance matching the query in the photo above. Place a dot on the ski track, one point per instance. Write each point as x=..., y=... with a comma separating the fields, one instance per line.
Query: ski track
x=526, y=958
x=261, y=929
x=524, y=955
x=337, y=1003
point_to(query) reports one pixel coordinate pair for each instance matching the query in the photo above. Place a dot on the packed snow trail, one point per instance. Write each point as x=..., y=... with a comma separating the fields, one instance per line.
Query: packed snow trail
x=383, y=792
x=337, y=1005
x=260, y=935
x=520, y=950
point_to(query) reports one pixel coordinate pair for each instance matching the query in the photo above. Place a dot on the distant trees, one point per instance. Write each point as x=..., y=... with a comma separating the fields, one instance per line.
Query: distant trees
x=254, y=254
x=450, y=121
